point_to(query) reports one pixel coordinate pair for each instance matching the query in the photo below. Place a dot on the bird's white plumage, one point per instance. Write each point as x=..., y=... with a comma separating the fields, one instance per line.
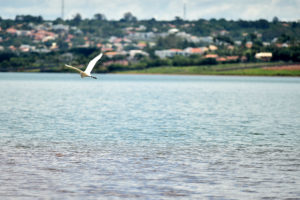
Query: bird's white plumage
x=87, y=71
x=92, y=63
x=80, y=71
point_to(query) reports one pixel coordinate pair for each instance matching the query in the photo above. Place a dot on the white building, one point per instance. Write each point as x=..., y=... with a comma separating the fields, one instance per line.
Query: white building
x=26, y=48
x=263, y=55
x=60, y=27
x=207, y=39
x=173, y=31
x=170, y=53
x=147, y=36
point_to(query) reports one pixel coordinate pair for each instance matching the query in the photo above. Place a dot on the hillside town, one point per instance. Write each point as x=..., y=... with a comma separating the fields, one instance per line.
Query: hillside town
x=135, y=40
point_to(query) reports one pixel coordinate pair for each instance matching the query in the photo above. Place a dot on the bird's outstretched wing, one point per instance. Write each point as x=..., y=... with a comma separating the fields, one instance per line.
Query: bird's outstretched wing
x=74, y=68
x=92, y=64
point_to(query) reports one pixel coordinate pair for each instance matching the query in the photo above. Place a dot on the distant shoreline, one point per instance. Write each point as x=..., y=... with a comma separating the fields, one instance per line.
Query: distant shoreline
x=233, y=69
x=172, y=74
x=241, y=75
x=275, y=70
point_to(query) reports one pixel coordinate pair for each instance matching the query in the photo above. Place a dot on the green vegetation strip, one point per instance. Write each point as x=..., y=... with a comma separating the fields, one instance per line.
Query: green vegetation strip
x=218, y=70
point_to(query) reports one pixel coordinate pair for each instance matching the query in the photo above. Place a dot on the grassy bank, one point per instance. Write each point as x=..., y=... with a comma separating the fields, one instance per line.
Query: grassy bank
x=249, y=69
x=242, y=69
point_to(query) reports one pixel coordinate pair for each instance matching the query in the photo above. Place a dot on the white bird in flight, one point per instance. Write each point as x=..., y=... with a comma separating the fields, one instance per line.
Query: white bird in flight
x=87, y=71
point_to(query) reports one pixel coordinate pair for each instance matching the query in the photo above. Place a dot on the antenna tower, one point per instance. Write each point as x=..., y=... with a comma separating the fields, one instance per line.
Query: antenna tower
x=184, y=11
x=62, y=9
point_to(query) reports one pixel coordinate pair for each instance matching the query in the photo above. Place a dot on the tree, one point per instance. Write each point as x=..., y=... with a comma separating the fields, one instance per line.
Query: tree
x=275, y=20
x=243, y=23
x=62, y=44
x=284, y=38
x=262, y=23
x=58, y=21
x=178, y=19
x=170, y=41
x=77, y=19
x=28, y=18
x=152, y=20
x=253, y=37
x=226, y=39
x=128, y=17
x=139, y=56
x=99, y=16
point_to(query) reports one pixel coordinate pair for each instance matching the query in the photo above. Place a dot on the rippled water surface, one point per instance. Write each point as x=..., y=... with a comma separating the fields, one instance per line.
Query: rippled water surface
x=149, y=137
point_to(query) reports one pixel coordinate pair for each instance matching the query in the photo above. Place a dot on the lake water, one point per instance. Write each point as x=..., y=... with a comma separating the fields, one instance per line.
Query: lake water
x=149, y=137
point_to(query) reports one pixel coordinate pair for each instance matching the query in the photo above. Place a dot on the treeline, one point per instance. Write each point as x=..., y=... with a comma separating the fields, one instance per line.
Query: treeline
x=149, y=63
x=100, y=26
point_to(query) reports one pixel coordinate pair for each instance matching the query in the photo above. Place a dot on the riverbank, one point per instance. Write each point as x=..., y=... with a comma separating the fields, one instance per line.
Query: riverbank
x=241, y=69
x=251, y=69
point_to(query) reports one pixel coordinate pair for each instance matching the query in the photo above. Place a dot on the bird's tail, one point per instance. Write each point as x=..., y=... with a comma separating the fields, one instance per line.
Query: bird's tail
x=94, y=77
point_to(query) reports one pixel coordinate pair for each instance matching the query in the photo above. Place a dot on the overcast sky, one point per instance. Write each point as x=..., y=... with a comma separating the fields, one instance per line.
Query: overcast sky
x=159, y=9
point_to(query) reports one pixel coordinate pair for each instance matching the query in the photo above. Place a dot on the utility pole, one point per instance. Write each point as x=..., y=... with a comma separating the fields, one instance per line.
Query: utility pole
x=184, y=11
x=62, y=9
